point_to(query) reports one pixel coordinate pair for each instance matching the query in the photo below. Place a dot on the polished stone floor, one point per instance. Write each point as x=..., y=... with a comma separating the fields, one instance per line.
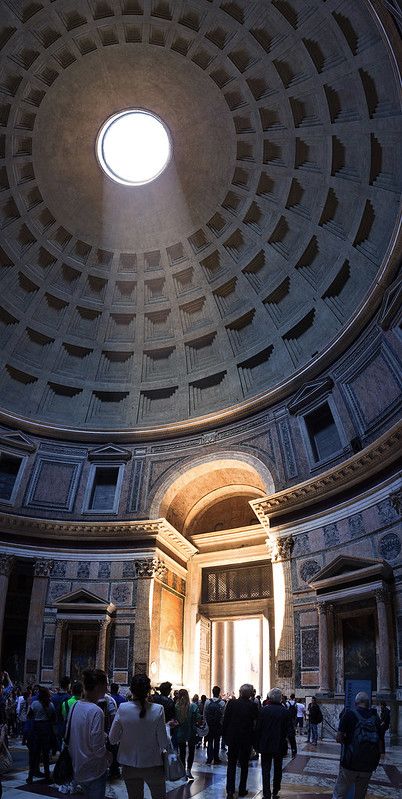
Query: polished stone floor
x=310, y=774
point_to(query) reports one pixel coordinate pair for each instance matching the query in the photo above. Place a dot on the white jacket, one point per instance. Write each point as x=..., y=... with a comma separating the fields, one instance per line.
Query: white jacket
x=141, y=740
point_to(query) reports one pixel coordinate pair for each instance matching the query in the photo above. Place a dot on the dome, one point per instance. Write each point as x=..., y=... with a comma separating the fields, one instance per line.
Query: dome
x=248, y=264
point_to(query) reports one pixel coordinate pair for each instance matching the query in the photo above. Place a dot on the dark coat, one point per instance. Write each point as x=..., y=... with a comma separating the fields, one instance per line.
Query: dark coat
x=273, y=727
x=239, y=722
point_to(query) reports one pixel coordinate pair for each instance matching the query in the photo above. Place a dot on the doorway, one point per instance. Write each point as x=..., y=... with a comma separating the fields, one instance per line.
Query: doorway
x=240, y=653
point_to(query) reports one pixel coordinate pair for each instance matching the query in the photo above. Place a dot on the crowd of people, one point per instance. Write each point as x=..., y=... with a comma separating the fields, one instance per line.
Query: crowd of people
x=111, y=734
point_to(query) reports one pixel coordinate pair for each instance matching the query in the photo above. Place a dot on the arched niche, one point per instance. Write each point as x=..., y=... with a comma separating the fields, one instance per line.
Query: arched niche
x=212, y=493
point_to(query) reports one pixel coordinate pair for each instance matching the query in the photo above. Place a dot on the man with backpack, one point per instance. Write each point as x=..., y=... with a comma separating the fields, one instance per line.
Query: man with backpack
x=359, y=734
x=213, y=714
x=314, y=719
x=291, y=704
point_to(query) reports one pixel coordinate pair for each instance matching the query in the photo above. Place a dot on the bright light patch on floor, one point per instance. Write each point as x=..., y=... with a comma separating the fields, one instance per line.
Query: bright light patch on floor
x=133, y=147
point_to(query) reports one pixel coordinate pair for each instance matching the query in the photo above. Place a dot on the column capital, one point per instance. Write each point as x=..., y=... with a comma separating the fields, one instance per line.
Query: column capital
x=150, y=568
x=381, y=595
x=60, y=624
x=6, y=564
x=42, y=568
x=282, y=548
x=323, y=608
x=104, y=623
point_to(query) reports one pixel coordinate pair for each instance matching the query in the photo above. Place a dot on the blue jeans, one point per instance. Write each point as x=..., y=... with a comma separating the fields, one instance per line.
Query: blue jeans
x=314, y=732
x=95, y=789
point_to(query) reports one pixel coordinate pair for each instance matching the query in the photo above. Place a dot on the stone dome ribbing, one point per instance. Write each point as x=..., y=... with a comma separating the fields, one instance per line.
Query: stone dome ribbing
x=249, y=263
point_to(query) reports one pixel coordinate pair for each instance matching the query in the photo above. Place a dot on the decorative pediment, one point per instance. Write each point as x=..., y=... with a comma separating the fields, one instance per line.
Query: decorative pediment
x=309, y=394
x=82, y=600
x=109, y=452
x=17, y=441
x=348, y=569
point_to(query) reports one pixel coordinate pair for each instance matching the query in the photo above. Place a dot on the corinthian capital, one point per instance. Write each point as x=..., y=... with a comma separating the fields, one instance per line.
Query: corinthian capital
x=283, y=548
x=6, y=564
x=42, y=568
x=381, y=595
x=150, y=568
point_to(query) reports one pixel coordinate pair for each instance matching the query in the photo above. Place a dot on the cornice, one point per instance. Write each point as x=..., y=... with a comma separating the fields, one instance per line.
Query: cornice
x=229, y=539
x=381, y=453
x=158, y=532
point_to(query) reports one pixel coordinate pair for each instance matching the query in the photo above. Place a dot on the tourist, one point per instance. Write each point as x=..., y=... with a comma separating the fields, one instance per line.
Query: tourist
x=359, y=733
x=300, y=715
x=58, y=699
x=272, y=731
x=22, y=714
x=385, y=720
x=87, y=745
x=188, y=717
x=139, y=729
x=213, y=714
x=41, y=740
x=11, y=713
x=116, y=696
x=314, y=719
x=163, y=698
x=200, y=737
x=76, y=694
x=291, y=705
x=238, y=730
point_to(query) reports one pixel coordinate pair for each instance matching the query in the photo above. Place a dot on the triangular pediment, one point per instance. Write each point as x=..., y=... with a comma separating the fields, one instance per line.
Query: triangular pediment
x=109, y=452
x=17, y=441
x=81, y=597
x=349, y=568
x=309, y=394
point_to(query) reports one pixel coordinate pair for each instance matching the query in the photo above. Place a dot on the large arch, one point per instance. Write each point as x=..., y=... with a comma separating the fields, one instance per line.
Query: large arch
x=219, y=485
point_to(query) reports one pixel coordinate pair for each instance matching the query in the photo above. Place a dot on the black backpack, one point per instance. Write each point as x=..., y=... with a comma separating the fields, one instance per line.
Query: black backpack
x=213, y=714
x=293, y=710
x=363, y=751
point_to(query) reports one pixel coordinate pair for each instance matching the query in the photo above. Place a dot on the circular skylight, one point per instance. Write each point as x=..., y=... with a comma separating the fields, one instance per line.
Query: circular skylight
x=133, y=147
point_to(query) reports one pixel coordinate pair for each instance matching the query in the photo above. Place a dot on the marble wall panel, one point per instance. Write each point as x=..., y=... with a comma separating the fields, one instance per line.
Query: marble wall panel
x=121, y=594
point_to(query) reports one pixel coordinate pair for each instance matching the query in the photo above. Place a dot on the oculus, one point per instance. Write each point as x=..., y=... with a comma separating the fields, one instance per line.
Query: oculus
x=133, y=147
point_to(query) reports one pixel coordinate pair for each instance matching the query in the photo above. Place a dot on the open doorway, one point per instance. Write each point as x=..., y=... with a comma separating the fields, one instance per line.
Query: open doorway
x=240, y=654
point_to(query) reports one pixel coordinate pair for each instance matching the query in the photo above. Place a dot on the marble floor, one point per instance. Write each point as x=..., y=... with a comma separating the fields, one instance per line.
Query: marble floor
x=310, y=774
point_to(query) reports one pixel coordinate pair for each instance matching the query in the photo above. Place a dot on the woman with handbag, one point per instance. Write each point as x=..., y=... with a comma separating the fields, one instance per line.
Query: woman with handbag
x=139, y=728
x=188, y=717
x=43, y=714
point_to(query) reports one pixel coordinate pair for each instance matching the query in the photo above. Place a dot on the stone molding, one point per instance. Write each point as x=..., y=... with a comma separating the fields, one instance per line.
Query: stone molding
x=158, y=532
x=352, y=471
x=6, y=565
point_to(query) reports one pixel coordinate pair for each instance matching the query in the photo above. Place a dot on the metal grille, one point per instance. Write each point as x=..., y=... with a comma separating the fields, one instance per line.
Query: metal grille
x=234, y=583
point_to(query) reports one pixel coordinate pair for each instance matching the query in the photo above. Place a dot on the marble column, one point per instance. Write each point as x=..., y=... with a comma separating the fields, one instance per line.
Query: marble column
x=384, y=670
x=102, y=643
x=42, y=569
x=229, y=658
x=218, y=652
x=324, y=653
x=6, y=566
x=191, y=647
x=281, y=552
x=146, y=570
x=60, y=623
